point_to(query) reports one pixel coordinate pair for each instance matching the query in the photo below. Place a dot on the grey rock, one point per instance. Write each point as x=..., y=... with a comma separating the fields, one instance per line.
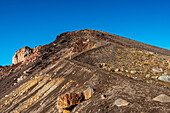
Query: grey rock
x=165, y=78
x=120, y=102
x=158, y=70
x=162, y=98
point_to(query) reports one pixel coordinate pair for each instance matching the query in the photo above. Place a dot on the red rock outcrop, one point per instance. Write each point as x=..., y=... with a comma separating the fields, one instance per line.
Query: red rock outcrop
x=23, y=53
x=66, y=101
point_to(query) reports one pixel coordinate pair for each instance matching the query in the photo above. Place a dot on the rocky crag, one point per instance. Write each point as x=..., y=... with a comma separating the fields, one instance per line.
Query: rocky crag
x=80, y=73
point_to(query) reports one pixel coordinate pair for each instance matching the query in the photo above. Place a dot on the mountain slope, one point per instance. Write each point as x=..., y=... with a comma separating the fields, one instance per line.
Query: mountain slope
x=35, y=83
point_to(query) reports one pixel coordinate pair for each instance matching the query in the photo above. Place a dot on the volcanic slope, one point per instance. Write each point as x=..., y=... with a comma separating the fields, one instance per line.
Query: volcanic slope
x=81, y=59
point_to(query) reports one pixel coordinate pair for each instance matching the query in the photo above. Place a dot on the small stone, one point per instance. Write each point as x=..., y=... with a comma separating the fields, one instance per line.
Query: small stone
x=103, y=96
x=158, y=70
x=148, y=76
x=88, y=93
x=116, y=70
x=120, y=102
x=20, y=78
x=25, y=72
x=133, y=72
x=126, y=71
x=162, y=98
x=150, y=53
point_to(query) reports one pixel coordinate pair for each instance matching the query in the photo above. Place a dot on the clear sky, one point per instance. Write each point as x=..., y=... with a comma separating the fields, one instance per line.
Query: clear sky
x=38, y=22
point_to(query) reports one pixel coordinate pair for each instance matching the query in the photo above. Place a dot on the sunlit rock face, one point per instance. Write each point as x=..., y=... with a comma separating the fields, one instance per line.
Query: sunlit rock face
x=22, y=53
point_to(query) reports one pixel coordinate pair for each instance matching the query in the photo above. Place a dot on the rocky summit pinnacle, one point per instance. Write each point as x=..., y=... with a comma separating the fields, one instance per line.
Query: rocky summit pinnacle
x=87, y=71
x=23, y=53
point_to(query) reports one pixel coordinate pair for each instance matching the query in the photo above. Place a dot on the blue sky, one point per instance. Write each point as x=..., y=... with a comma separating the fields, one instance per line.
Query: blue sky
x=38, y=22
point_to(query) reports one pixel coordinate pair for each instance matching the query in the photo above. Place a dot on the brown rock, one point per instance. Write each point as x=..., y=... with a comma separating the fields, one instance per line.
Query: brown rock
x=88, y=93
x=67, y=100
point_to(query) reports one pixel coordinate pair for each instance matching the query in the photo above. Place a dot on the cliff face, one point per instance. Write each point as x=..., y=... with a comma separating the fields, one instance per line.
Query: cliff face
x=79, y=72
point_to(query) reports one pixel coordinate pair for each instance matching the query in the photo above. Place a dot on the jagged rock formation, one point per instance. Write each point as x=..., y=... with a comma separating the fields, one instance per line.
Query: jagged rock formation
x=23, y=53
x=67, y=67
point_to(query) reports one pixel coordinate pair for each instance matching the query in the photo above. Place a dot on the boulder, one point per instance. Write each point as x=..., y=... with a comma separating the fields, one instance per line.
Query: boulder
x=67, y=100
